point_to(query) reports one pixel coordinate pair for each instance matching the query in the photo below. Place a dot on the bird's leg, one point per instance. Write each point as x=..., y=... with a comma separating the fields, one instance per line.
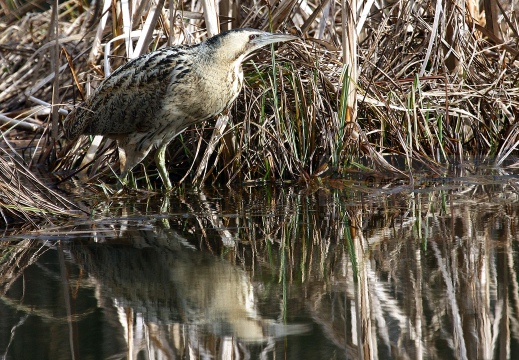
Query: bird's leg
x=160, y=161
x=130, y=154
x=164, y=208
x=123, y=178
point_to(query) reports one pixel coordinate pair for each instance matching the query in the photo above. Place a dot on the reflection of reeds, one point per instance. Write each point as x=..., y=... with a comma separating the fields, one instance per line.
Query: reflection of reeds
x=14, y=259
x=431, y=274
x=436, y=269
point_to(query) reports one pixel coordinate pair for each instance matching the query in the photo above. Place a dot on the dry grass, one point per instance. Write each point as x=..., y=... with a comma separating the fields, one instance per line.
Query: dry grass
x=23, y=196
x=433, y=87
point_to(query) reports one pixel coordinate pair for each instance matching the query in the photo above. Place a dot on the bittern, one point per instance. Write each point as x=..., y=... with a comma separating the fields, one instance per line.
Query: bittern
x=152, y=98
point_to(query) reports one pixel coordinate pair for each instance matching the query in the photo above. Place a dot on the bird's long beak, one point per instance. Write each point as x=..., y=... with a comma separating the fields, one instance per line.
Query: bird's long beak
x=270, y=38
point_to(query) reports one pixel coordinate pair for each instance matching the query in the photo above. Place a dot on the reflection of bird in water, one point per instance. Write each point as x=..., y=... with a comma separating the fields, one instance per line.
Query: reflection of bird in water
x=182, y=292
x=151, y=99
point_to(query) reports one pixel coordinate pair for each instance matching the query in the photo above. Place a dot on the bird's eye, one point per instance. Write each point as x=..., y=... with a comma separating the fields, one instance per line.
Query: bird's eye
x=253, y=36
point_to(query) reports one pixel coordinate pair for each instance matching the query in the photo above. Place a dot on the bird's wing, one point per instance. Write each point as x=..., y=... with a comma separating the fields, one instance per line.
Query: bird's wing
x=76, y=122
x=131, y=98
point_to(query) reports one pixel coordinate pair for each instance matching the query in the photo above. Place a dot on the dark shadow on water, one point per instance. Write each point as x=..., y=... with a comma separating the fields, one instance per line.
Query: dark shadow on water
x=344, y=270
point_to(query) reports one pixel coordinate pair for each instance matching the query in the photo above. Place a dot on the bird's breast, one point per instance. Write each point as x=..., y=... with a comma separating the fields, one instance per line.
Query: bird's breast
x=223, y=84
x=236, y=79
x=203, y=93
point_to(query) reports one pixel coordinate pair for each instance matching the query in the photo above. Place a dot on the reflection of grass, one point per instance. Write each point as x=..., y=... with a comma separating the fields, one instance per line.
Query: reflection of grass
x=404, y=270
x=414, y=257
x=15, y=258
x=350, y=246
x=44, y=313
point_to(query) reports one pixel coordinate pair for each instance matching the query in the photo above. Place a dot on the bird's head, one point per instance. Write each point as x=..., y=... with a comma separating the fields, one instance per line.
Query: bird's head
x=236, y=44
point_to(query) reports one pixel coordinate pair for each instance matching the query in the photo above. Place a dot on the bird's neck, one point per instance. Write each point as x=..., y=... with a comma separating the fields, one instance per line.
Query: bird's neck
x=225, y=68
x=221, y=76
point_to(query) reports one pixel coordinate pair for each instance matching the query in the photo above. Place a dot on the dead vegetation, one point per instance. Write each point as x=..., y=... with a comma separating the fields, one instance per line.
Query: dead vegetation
x=411, y=85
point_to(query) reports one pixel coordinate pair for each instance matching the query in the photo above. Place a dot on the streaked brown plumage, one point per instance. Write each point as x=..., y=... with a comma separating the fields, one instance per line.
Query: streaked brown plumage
x=151, y=99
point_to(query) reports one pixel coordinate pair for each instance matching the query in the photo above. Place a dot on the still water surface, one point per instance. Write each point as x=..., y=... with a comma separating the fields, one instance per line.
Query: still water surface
x=335, y=272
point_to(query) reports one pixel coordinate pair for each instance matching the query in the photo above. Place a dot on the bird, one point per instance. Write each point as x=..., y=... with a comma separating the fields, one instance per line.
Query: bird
x=148, y=101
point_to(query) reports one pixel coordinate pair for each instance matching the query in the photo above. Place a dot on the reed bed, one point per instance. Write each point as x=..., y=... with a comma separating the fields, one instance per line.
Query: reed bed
x=391, y=87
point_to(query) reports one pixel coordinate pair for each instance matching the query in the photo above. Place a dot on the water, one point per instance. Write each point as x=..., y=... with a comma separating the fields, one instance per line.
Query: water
x=342, y=271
